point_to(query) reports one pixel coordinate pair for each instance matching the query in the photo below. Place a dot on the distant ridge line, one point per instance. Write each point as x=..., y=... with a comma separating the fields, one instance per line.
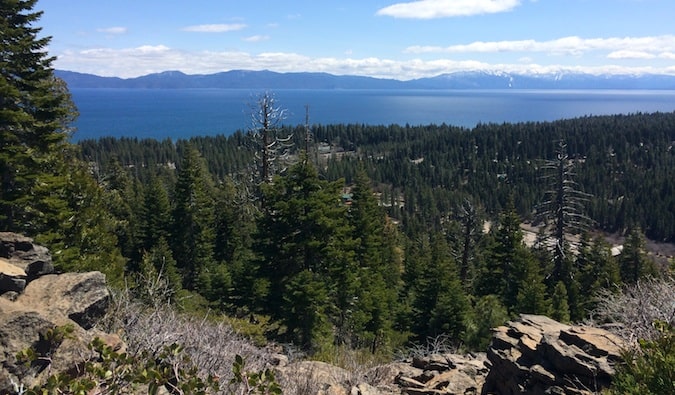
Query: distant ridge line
x=248, y=79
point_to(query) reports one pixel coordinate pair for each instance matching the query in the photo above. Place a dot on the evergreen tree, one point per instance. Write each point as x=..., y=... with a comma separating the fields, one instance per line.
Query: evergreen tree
x=633, y=260
x=560, y=309
x=378, y=273
x=234, y=226
x=439, y=304
x=303, y=233
x=124, y=202
x=155, y=215
x=488, y=313
x=306, y=303
x=158, y=262
x=531, y=297
x=598, y=270
x=45, y=190
x=193, y=220
x=77, y=228
x=509, y=263
x=35, y=110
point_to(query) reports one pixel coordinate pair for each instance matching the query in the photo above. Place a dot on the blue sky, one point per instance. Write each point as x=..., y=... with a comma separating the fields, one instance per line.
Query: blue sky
x=387, y=39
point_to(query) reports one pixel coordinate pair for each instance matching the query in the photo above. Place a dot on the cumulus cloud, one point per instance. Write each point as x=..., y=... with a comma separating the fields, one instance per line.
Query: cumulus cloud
x=430, y=9
x=215, y=28
x=620, y=47
x=112, y=30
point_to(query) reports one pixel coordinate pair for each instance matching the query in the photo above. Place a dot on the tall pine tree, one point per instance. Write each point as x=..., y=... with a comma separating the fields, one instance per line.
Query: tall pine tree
x=378, y=265
x=193, y=220
x=305, y=264
x=35, y=110
x=45, y=190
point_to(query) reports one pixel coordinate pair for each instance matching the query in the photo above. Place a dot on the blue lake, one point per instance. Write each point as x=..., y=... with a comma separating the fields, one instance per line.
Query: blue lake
x=182, y=113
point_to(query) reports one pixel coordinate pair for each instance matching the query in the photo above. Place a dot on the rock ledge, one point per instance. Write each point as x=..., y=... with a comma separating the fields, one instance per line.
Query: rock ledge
x=536, y=355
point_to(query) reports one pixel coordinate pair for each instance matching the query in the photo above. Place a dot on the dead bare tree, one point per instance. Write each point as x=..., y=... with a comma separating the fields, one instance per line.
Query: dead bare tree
x=271, y=148
x=469, y=219
x=563, y=207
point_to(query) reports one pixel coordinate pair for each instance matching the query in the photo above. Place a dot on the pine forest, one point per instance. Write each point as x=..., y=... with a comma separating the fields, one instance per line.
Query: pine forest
x=362, y=237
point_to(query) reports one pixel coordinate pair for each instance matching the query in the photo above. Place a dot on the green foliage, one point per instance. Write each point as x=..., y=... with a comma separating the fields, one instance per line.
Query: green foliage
x=510, y=270
x=155, y=215
x=262, y=382
x=35, y=109
x=159, y=262
x=531, y=296
x=369, y=288
x=433, y=291
x=193, y=219
x=46, y=191
x=306, y=310
x=633, y=260
x=488, y=313
x=560, y=310
x=598, y=270
x=649, y=369
x=303, y=240
x=40, y=355
x=252, y=327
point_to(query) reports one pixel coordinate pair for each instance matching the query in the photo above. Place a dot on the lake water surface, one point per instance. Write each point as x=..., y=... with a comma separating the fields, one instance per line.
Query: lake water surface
x=182, y=113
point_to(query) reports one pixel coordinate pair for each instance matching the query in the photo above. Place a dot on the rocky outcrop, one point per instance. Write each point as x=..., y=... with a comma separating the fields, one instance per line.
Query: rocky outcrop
x=444, y=374
x=537, y=355
x=35, y=302
x=21, y=261
x=437, y=374
x=20, y=252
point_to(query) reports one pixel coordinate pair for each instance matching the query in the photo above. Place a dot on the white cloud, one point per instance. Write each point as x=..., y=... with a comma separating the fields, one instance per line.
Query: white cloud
x=571, y=45
x=215, y=28
x=112, y=30
x=430, y=9
x=625, y=54
x=256, y=38
x=146, y=59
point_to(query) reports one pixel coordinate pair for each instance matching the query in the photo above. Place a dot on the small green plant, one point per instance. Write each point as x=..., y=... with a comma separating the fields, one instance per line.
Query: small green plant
x=112, y=372
x=649, y=369
x=260, y=383
x=40, y=355
x=108, y=371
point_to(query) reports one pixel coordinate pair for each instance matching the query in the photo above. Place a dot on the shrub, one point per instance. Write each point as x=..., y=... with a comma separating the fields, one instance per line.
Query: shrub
x=631, y=313
x=112, y=372
x=649, y=369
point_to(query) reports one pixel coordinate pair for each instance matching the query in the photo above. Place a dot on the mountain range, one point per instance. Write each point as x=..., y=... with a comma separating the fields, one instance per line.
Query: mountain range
x=246, y=79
